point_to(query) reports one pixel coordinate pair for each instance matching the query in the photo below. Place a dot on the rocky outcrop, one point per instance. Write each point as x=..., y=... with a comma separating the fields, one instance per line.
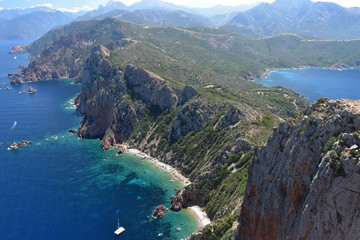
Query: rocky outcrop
x=191, y=117
x=16, y=81
x=159, y=211
x=101, y=84
x=31, y=90
x=150, y=88
x=20, y=48
x=61, y=54
x=183, y=198
x=113, y=101
x=305, y=182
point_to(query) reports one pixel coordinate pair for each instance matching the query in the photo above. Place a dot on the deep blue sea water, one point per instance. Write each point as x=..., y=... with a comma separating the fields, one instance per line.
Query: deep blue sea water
x=313, y=83
x=67, y=188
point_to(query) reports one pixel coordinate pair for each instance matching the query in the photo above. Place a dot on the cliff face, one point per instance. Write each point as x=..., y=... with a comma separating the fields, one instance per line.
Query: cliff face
x=113, y=101
x=171, y=121
x=305, y=182
x=62, y=52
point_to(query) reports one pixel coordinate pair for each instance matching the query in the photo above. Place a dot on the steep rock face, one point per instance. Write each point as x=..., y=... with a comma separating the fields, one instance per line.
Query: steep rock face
x=62, y=52
x=150, y=88
x=184, y=197
x=97, y=76
x=305, y=182
x=114, y=101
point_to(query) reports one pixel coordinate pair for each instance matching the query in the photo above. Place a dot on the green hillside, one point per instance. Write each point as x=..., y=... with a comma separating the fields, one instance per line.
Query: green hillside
x=210, y=136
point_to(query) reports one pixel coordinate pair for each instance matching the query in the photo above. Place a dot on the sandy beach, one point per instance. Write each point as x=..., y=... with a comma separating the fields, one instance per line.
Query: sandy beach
x=200, y=216
x=198, y=213
x=162, y=165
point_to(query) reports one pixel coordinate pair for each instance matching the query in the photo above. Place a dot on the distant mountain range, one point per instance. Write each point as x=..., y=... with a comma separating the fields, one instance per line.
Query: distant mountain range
x=316, y=19
x=31, y=23
x=313, y=19
x=217, y=14
x=157, y=17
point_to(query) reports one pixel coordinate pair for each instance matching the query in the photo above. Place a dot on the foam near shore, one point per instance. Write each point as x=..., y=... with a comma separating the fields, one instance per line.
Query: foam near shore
x=184, y=180
x=197, y=212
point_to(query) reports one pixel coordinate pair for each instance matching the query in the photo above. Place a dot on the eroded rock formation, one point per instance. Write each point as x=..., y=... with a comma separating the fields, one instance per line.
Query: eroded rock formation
x=305, y=183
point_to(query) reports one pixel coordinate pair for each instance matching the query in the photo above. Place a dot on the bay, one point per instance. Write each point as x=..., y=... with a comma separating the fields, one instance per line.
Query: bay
x=314, y=83
x=62, y=187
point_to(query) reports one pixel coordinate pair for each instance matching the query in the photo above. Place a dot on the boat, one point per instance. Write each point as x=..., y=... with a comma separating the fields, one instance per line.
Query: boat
x=160, y=234
x=119, y=229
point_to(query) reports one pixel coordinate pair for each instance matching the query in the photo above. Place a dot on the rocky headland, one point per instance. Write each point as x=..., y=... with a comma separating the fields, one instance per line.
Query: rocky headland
x=175, y=104
x=20, y=48
x=305, y=183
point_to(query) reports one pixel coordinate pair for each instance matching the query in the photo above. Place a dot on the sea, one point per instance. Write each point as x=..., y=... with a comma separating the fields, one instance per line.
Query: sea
x=62, y=187
x=314, y=83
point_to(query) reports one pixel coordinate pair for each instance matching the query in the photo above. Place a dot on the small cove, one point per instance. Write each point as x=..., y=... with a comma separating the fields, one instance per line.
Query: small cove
x=65, y=187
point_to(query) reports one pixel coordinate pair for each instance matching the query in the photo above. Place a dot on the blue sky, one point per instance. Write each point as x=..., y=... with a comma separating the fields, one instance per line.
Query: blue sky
x=91, y=4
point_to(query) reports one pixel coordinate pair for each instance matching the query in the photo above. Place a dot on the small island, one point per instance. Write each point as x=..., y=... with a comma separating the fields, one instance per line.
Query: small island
x=31, y=90
x=16, y=145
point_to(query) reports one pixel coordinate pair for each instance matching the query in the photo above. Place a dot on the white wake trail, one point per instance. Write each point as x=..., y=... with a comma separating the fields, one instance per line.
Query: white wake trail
x=14, y=125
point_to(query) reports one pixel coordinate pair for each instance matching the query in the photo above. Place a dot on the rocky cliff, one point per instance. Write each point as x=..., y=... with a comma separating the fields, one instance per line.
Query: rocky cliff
x=114, y=100
x=174, y=122
x=305, y=183
x=62, y=52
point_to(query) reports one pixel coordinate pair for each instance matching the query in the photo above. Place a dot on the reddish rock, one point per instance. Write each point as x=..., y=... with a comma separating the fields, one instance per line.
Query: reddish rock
x=20, y=48
x=159, y=211
x=183, y=197
x=73, y=130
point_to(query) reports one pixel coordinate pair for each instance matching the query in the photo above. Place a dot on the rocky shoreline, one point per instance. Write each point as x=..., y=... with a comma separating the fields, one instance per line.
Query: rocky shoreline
x=198, y=213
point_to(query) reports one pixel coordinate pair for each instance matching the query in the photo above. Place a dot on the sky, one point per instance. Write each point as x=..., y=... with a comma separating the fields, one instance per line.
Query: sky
x=92, y=4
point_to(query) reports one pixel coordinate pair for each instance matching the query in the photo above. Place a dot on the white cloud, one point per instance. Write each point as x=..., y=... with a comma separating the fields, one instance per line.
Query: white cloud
x=76, y=9
x=49, y=5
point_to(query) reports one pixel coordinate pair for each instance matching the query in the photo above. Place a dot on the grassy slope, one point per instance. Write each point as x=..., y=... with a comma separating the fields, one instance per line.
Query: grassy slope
x=199, y=57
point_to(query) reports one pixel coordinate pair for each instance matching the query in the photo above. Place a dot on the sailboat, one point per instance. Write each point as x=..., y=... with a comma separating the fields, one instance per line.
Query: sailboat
x=119, y=229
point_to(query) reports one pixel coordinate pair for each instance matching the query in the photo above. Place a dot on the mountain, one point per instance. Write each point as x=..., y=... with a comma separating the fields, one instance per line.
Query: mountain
x=316, y=19
x=159, y=18
x=183, y=95
x=165, y=6
x=8, y=14
x=19, y=24
x=221, y=10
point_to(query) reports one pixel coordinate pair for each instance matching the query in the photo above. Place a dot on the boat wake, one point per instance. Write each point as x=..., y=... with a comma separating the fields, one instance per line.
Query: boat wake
x=14, y=125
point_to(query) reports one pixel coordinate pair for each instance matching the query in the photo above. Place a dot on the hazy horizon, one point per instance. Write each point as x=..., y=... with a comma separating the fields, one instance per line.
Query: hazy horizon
x=85, y=5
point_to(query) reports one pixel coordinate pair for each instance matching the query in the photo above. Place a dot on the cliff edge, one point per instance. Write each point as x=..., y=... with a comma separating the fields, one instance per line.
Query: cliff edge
x=305, y=184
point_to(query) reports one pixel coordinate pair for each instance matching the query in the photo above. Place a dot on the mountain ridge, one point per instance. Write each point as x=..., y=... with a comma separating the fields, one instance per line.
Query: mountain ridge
x=315, y=19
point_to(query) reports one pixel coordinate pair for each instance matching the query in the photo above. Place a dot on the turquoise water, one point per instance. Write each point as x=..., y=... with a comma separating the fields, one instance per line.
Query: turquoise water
x=66, y=188
x=313, y=83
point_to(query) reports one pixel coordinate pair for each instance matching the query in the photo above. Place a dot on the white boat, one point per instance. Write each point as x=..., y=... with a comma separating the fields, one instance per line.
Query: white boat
x=119, y=230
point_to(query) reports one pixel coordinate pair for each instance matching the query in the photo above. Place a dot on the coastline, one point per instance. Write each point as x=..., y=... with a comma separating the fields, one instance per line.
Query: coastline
x=198, y=213
x=200, y=216
x=184, y=180
x=265, y=73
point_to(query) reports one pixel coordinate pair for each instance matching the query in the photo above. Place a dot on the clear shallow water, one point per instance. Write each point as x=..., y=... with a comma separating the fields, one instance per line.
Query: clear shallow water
x=313, y=83
x=68, y=188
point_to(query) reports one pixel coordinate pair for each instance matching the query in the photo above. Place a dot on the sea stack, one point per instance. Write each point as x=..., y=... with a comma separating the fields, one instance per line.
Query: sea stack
x=31, y=90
